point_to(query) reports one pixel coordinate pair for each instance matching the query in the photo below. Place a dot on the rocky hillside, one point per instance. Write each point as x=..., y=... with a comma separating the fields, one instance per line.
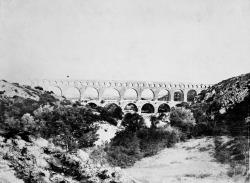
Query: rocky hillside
x=14, y=89
x=47, y=139
x=228, y=92
x=224, y=109
x=226, y=105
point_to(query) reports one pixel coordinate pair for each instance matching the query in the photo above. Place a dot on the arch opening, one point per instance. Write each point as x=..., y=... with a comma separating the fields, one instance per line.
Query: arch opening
x=164, y=95
x=131, y=107
x=92, y=104
x=191, y=94
x=130, y=94
x=111, y=94
x=56, y=90
x=114, y=110
x=163, y=108
x=147, y=94
x=147, y=108
x=178, y=96
x=72, y=93
x=91, y=94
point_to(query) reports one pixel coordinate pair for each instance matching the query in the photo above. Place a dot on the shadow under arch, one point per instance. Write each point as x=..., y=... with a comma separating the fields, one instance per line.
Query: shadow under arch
x=147, y=108
x=131, y=107
x=92, y=104
x=191, y=94
x=163, y=108
x=178, y=95
x=114, y=110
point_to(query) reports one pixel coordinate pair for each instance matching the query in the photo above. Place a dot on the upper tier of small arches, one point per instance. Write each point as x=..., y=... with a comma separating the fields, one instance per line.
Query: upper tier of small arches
x=136, y=84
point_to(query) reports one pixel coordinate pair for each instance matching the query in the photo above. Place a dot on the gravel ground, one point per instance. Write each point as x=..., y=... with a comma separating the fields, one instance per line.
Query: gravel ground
x=187, y=162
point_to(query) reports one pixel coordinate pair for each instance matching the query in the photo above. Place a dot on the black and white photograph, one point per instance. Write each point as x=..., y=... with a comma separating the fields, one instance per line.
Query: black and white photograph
x=124, y=91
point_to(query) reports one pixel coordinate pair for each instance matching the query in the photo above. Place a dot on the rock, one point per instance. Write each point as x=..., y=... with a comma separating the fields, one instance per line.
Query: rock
x=82, y=155
x=40, y=142
x=222, y=111
x=19, y=143
x=105, y=133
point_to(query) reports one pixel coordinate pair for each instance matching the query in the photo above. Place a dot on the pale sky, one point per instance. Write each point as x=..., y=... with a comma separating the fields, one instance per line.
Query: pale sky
x=201, y=41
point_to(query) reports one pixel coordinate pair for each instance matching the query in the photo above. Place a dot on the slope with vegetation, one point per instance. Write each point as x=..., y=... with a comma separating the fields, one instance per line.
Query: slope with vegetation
x=46, y=139
x=223, y=111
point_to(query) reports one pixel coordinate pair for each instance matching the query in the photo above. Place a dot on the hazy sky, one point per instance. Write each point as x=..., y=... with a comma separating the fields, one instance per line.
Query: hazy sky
x=159, y=40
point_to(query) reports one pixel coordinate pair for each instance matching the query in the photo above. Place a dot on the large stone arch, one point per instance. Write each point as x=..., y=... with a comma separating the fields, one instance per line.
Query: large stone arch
x=111, y=94
x=147, y=108
x=130, y=94
x=163, y=95
x=147, y=94
x=191, y=94
x=178, y=95
x=131, y=107
x=114, y=110
x=55, y=89
x=90, y=93
x=72, y=93
x=163, y=108
x=92, y=104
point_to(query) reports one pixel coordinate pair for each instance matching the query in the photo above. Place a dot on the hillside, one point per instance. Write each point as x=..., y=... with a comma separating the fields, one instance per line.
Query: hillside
x=48, y=139
x=228, y=93
x=14, y=89
x=224, y=109
x=225, y=106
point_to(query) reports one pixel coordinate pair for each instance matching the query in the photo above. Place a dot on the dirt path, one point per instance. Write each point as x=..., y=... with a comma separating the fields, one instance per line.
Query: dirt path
x=187, y=162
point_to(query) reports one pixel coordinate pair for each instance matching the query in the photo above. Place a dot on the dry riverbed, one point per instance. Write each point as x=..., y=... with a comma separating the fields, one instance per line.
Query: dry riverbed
x=187, y=162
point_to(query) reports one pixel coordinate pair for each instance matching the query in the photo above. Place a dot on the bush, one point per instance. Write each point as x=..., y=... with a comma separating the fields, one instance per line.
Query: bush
x=127, y=146
x=38, y=88
x=132, y=122
x=70, y=127
x=153, y=140
x=183, y=119
x=124, y=149
x=204, y=126
x=235, y=152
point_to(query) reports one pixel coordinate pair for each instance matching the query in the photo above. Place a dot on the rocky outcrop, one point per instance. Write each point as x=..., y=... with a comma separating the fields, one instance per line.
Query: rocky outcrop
x=41, y=161
x=227, y=93
x=224, y=109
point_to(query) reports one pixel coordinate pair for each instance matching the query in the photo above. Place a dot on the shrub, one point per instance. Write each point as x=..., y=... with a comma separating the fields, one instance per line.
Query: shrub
x=235, y=152
x=23, y=127
x=129, y=146
x=38, y=87
x=204, y=126
x=183, y=119
x=70, y=126
x=132, y=122
x=155, y=139
x=124, y=149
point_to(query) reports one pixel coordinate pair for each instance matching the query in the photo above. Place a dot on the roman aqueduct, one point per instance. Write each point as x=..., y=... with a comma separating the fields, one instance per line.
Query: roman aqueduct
x=144, y=97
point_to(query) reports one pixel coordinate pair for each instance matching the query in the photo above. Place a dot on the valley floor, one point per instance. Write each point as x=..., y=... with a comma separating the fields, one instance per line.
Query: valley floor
x=187, y=162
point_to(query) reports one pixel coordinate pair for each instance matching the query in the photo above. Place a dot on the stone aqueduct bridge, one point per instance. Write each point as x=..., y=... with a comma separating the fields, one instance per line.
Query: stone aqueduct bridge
x=145, y=97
